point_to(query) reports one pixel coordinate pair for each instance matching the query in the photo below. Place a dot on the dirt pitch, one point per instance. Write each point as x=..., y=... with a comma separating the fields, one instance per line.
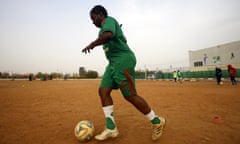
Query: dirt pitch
x=46, y=112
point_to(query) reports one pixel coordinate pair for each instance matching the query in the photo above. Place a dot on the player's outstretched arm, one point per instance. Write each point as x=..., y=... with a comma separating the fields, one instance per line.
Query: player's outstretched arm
x=103, y=38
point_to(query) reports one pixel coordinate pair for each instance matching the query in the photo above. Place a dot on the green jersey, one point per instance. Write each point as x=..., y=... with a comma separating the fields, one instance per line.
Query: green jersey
x=117, y=47
x=119, y=73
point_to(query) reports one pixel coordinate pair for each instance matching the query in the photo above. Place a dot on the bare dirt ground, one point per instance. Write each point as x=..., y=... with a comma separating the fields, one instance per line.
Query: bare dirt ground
x=46, y=112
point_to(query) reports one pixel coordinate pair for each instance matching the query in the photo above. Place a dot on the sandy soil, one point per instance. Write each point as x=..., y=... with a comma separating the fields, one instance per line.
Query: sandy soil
x=46, y=112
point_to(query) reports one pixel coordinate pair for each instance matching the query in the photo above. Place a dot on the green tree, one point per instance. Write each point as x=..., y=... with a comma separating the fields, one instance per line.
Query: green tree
x=5, y=75
x=39, y=75
x=92, y=74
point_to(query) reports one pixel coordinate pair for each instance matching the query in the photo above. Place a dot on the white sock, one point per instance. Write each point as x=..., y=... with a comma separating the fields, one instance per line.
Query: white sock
x=151, y=115
x=108, y=111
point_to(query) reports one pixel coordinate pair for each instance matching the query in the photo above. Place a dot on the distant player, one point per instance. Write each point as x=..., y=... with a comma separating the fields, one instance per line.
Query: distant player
x=119, y=73
x=232, y=73
x=179, y=76
x=175, y=76
x=218, y=71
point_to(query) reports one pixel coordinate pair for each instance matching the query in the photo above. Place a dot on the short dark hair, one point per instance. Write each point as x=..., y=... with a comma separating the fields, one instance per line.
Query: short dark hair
x=98, y=9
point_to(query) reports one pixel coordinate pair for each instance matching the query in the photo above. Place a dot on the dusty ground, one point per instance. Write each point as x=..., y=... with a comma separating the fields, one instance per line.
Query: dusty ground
x=45, y=112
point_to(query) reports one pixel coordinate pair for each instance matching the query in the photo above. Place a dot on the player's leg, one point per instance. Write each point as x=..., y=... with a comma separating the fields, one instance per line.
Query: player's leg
x=104, y=92
x=107, y=106
x=232, y=80
x=128, y=90
x=105, y=96
x=139, y=103
x=218, y=79
x=235, y=80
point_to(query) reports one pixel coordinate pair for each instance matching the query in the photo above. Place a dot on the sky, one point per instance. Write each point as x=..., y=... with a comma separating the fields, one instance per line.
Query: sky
x=48, y=35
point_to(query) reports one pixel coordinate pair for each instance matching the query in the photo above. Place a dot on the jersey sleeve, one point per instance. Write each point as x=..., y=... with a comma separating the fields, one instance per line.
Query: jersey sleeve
x=109, y=25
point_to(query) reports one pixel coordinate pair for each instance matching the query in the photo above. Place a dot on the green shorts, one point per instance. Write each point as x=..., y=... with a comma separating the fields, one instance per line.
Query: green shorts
x=120, y=74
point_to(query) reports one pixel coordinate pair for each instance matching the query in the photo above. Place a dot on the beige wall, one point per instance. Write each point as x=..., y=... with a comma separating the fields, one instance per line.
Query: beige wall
x=218, y=55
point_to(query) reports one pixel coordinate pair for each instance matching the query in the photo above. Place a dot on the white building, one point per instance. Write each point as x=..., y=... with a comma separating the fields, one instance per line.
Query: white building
x=222, y=55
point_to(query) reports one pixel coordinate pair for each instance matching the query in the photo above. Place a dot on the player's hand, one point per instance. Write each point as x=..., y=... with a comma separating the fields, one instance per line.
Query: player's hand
x=87, y=49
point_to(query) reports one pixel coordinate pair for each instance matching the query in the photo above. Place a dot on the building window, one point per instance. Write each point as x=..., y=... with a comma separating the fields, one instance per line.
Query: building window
x=198, y=64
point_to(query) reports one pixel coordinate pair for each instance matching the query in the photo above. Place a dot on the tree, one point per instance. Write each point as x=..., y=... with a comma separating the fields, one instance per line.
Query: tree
x=5, y=75
x=39, y=75
x=92, y=74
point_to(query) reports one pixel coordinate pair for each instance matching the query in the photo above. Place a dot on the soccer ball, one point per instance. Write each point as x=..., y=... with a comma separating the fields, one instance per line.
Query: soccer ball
x=84, y=130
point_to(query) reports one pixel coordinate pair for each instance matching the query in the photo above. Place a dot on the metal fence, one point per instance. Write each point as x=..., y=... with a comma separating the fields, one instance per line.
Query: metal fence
x=187, y=74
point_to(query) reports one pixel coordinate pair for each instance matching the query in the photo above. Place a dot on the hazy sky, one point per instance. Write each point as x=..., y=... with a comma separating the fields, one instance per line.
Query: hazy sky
x=48, y=35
